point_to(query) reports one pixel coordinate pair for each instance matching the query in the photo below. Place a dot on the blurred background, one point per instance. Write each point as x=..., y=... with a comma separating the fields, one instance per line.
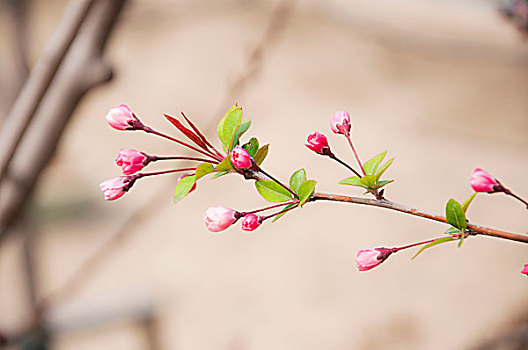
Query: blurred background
x=441, y=85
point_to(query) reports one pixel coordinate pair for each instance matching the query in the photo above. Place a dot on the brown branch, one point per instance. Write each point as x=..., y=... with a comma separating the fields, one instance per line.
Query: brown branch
x=475, y=229
x=82, y=69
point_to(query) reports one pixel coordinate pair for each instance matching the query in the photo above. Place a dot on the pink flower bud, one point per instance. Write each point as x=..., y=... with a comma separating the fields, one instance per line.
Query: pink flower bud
x=185, y=175
x=122, y=118
x=250, y=222
x=369, y=258
x=240, y=158
x=131, y=160
x=318, y=143
x=481, y=181
x=340, y=123
x=116, y=187
x=525, y=270
x=219, y=218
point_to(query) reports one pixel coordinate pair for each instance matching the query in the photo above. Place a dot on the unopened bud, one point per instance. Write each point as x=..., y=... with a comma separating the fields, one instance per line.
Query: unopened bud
x=240, y=158
x=122, y=118
x=318, y=143
x=340, y=123
x=219, y=218
x=250, y=222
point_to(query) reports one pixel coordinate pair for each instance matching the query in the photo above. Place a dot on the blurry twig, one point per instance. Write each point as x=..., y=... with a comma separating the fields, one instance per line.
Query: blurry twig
x=82, y=69
x=39, y=80
x=277, y=23
x=19, y=55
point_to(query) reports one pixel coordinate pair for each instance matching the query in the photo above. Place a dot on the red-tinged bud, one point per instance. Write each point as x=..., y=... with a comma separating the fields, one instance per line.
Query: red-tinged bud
x=370, y=258
x=525, y=270
x=131, y=160
x=240, y=158
x=250, y=222
x=185, y=175
x=121, y=118
x=481, y=181
x=219, y=218
x=340, y=123
x=318, y=143
x=116, y=187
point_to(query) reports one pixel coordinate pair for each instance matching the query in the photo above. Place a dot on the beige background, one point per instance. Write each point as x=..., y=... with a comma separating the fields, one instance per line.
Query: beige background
x=441, y=85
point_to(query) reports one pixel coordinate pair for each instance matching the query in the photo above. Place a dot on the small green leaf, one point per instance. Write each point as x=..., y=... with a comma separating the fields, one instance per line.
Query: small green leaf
x=306, y=191
x=224, y=165
x=368, y=180
x=204, y=169
x=251, y=146
x=452, y=231
x=282, y=214
x=353, y=181
x=217, y=175
x=371, y=165
x=228, y=125
x=432, y=244
x=455, y=215
x=380, y=184
x=261, y=154
x=383, y=168
x=183, y=187
x=297, y=179
x=222, y=122
x=242, y=128
x=272, y=191
x=467, y=202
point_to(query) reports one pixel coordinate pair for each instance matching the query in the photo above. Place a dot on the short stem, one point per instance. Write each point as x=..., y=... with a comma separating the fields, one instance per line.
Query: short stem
x=510, y=193
x=140, y=175
x=267, y=208
x=262, y=218
x=333, y=156
x=277, y=181
x=156, y=158
x=347, y=135
x=152, y=131
x=397, y=249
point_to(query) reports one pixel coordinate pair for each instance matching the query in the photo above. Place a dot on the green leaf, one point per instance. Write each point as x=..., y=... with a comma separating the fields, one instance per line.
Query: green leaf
x=368, y=180
x=306, y=191
x=228, y=125
x=432, y=244
x=242, y=128
x=224, y=165
x=183, y=187
x=467, y=202
x=282, y=214
x=251, y=146
x=220, y=127
x=384, y=167
x=217, y=175
x=380, y=184
x=452, y=231
x=371, y=165
x=272, y=191
x=261, y=154
x=455, y=215
x=204, y=169
x=353, y=181
x=297, y=179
